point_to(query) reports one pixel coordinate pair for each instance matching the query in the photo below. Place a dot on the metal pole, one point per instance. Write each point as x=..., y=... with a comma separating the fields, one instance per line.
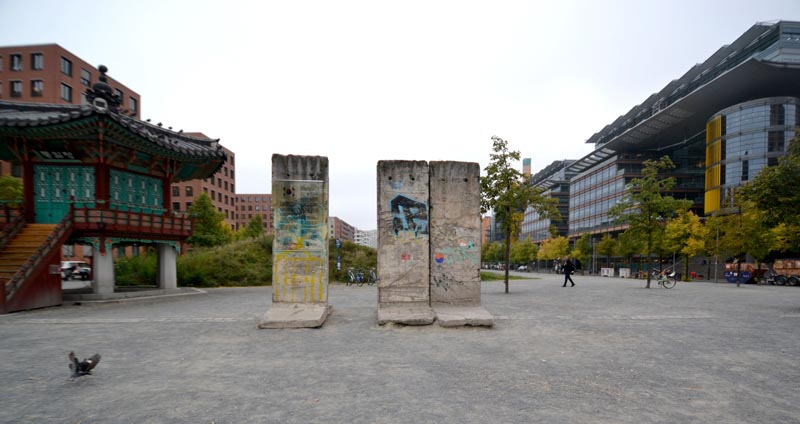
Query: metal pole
x=716, y=256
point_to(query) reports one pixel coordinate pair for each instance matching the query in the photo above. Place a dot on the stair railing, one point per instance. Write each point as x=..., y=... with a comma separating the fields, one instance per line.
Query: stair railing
x=15, y=224
x=54, y=240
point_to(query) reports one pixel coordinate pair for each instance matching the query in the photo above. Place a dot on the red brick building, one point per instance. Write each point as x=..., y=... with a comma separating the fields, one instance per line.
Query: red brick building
x=251, y=204
x=220, y=187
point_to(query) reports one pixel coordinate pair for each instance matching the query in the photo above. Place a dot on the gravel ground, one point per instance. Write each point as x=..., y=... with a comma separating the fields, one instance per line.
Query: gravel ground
x=605, y=351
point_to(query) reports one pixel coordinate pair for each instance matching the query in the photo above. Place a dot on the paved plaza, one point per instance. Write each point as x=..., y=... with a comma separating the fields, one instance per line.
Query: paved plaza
x=605, y=351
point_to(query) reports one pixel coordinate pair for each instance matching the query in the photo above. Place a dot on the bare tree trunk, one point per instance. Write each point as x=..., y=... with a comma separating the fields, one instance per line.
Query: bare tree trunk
x=508, y=255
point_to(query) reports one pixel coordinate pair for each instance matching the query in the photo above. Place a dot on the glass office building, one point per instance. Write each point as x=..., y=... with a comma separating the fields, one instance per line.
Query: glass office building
x=743, y=139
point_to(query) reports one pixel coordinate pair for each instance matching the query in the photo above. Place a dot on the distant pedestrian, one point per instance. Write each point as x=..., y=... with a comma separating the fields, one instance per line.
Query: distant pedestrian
x=568, y=267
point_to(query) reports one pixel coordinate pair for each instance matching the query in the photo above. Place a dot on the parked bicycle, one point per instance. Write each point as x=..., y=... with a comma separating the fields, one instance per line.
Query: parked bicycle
x=373, y=276
x=355, y=276
x=665, y=278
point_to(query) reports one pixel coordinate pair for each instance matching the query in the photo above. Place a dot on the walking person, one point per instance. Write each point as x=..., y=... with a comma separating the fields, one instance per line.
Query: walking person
x=568, y=267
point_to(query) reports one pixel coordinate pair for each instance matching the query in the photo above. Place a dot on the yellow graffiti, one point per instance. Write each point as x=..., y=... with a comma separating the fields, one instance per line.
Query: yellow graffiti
x=298, y=270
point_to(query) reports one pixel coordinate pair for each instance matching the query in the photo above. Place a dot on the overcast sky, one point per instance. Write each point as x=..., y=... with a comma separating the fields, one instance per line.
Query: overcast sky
x=365, y=81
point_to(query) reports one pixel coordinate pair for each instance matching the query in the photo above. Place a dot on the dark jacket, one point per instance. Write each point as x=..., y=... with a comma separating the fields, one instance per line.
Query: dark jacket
x=568, y=267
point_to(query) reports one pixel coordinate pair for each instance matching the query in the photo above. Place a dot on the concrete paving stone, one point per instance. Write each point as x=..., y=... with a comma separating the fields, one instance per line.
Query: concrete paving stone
x=295, y=315
x=405, y=314
x=459, y=316
x=605, y=351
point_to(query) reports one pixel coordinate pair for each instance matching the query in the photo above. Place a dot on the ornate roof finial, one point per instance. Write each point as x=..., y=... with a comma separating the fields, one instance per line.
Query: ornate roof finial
x=101, y=95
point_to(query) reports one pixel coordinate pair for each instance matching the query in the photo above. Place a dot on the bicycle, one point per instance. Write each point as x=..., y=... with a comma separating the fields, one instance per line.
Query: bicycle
x=354, y=277
x=665, y=280
x=373, y=277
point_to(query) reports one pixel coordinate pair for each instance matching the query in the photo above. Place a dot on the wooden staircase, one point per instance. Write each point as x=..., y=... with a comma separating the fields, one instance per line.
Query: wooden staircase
x=23, y=246
x=30, y=259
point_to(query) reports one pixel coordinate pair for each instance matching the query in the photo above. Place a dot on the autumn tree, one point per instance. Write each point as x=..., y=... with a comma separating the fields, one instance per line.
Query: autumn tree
x=553, y=248
x=607, y=246
x=505, y=191
x=254, y=228
x=645, y=207
x=582, y=251
x=685, y=235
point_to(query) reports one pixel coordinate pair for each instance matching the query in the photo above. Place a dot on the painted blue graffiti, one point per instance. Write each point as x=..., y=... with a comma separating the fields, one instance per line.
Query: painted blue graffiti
x=409, y=215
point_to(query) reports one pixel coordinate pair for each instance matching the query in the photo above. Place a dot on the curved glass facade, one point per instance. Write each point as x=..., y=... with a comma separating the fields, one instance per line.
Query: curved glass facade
x=743, y=139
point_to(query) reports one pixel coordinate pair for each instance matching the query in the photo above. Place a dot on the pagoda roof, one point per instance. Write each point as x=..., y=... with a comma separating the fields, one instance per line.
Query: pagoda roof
x=42, y=121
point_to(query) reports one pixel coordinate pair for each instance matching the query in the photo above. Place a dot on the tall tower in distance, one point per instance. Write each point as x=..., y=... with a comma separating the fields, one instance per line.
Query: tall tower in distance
x=526, y=167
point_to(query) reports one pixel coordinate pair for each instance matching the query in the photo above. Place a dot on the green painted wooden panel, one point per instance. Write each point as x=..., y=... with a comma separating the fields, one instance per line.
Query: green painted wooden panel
x=56, y=186
x=134, y=192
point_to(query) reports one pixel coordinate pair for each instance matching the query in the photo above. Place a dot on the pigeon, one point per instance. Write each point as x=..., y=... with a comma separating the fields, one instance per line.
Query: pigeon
x=84, y=367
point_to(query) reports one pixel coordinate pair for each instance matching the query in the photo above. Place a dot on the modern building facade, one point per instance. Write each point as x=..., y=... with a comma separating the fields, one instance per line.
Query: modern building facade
x=743, y=139
x=367, y=238
x=220, y=187
x=251, y=204
x=554, y=182
x=754, y=82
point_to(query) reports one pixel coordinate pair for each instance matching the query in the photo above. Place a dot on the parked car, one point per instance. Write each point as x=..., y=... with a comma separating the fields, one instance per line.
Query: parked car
x=75, y=269
x=522, y=268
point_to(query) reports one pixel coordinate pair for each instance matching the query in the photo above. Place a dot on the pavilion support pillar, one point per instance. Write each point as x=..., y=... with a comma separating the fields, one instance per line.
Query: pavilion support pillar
x=167, y=274
x=403, y=243
x=103, y=269
x=300, y=246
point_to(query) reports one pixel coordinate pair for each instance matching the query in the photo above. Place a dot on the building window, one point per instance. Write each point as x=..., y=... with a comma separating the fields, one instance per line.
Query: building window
x=226, y=185
x=225, y=171
x=133, y=104
x=219, y=197
x=189, y=191
x=66, y=92
x=233, y=173
x=775, y=141
x=219, y=182
x=176, y=191
x=16, y=88
x=776, y=115
x=16, y=62
x=66, y=66
x=205, y=190
x=118, y=93
x=86, y=77
x=213, y=194
x=176, y=206
x=226, y=199
x=1, y=63
x=745, y=170
x=37, y=61
x=232, y=185
x=37, y=88
x=188, y=205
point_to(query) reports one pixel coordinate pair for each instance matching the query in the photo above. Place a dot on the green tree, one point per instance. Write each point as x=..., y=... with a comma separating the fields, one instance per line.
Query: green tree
x=505, y=192
x=773, y=192
x=523, y=252
x=10, y=190
x=209, y=225
x=645, y=207
x=491, y=252
x=628, y=245
x=607, y=246
x=254, y=228
x=685, y=235
x=583, y=251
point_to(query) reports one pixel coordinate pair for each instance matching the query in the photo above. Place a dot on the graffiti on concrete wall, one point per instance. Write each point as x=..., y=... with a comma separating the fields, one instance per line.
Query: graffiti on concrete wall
x=299, y=251
x=300, y=215
x=464, y=253
x=409, y=216
x=299, y=277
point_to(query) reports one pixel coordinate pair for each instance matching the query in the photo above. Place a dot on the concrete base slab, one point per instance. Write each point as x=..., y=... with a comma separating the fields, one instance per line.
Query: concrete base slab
x=405, y=314
x=459, y=316
x=295, y=315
